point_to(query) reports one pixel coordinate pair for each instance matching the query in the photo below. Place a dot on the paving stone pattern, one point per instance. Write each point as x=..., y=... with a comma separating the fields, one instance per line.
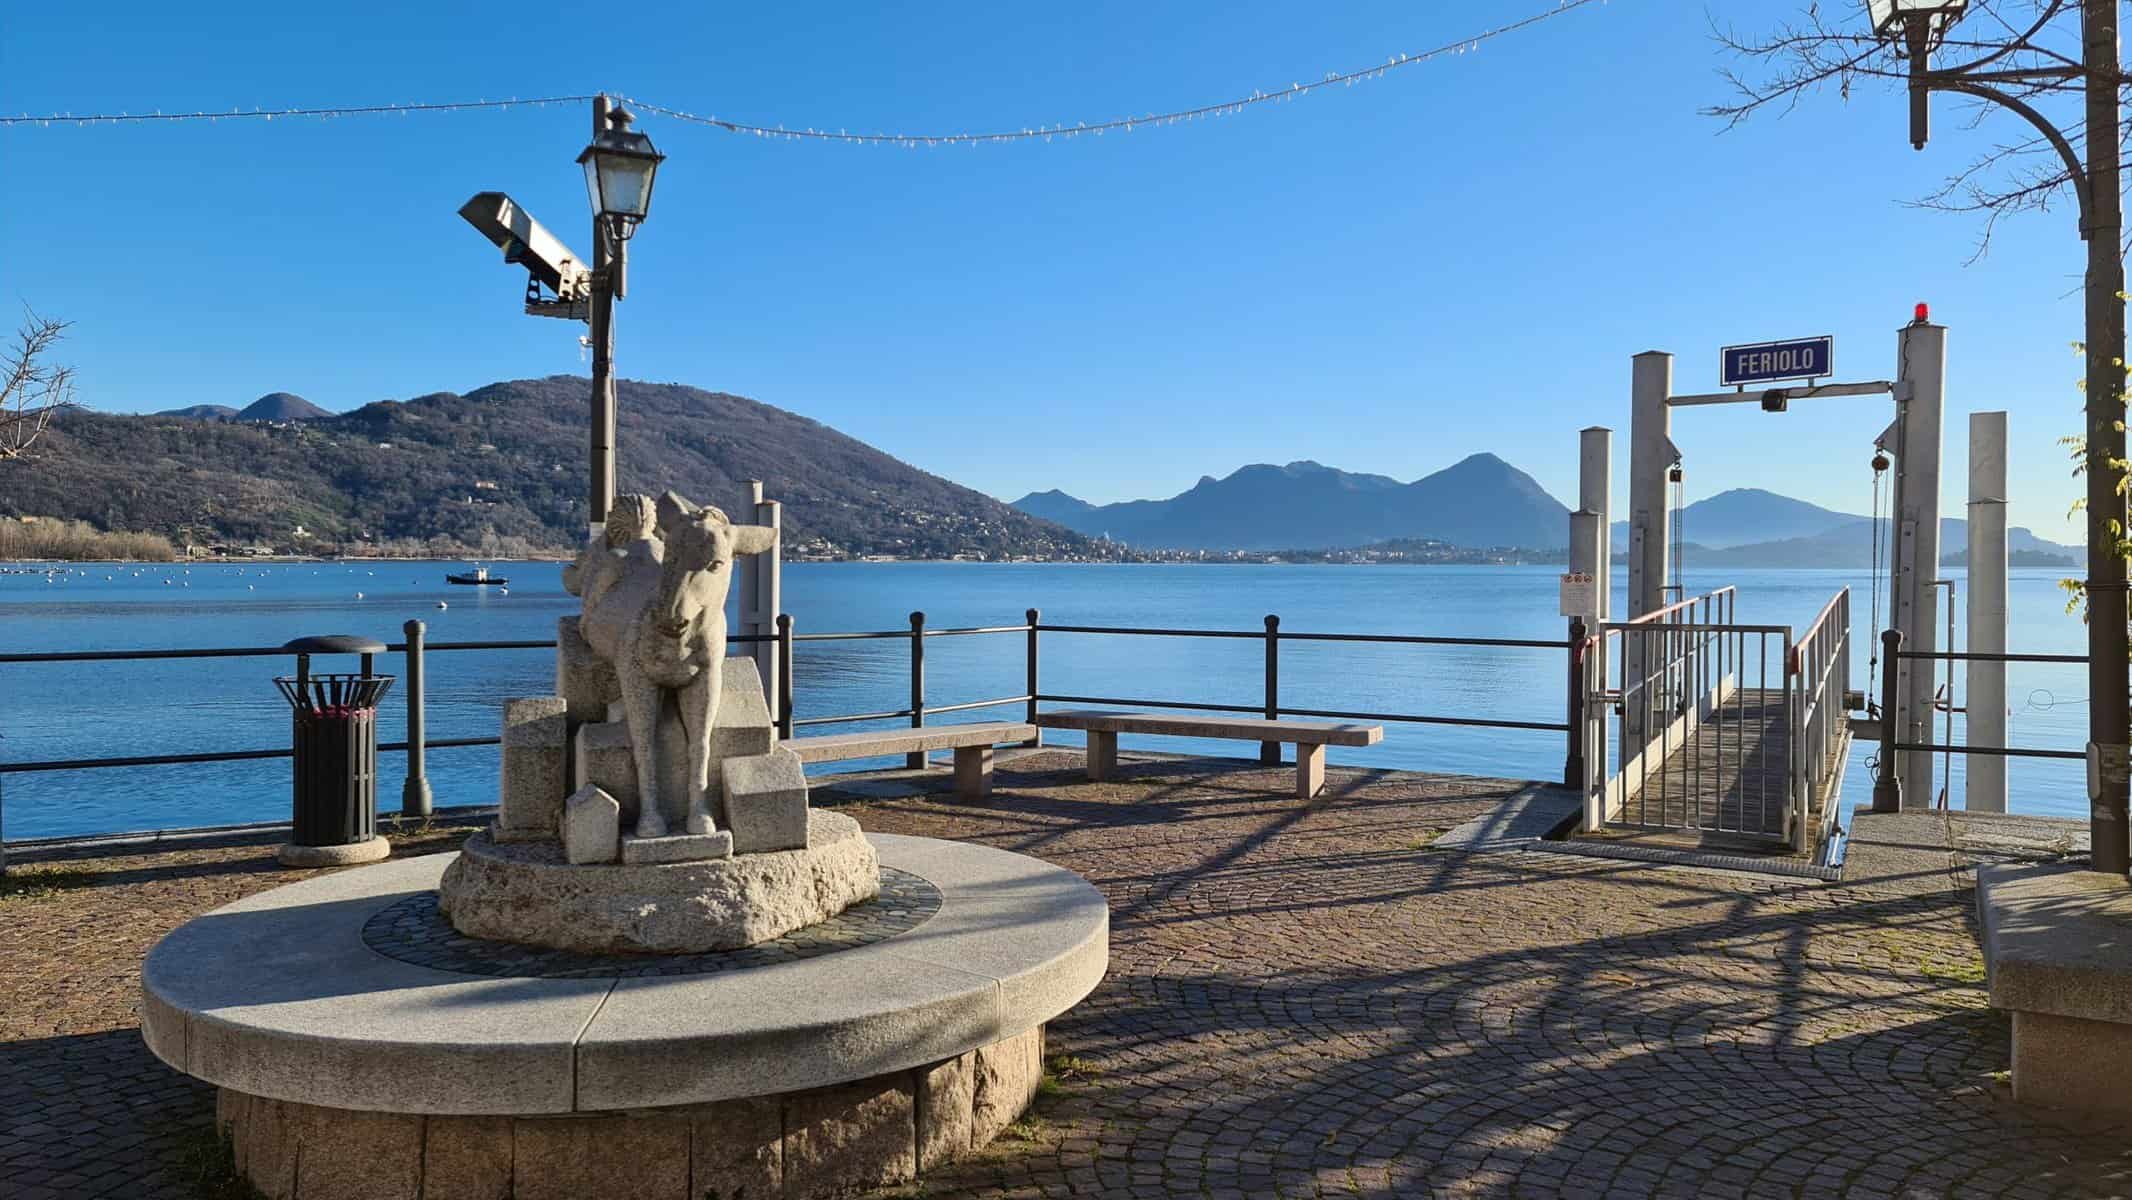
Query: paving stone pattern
x=413, y=931
x=1309, y=998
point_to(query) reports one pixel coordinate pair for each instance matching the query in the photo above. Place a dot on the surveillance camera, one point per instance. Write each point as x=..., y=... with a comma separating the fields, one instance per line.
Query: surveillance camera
x=528, y=243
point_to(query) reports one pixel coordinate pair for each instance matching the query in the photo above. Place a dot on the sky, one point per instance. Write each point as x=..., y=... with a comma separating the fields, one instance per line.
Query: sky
x=1458, y=257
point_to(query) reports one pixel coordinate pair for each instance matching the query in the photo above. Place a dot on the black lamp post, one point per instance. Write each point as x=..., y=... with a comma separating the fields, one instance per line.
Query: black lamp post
x=620, y=167
x=1918, y=27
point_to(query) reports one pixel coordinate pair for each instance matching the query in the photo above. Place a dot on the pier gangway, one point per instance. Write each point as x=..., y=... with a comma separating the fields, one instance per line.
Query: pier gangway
x=1712, y=733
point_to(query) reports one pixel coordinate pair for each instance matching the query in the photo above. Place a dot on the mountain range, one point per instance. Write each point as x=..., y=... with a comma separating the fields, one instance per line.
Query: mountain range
x=1480, y=501
x=500, y=469
x=274, y=406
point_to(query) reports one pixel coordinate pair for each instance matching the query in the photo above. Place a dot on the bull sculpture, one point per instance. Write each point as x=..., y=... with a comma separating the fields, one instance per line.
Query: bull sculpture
x=654, y=589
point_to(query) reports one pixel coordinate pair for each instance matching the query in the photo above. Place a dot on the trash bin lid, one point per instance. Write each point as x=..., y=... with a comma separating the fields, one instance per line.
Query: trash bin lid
x=335, y=643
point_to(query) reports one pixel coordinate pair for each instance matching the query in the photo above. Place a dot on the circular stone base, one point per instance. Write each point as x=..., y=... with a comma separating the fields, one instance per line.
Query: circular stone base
x=869, y=1133
x=293, y=855
x=528, y=892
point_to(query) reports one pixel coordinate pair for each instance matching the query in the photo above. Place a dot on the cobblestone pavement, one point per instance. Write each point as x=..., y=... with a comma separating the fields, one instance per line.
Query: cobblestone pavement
x=1309, y=999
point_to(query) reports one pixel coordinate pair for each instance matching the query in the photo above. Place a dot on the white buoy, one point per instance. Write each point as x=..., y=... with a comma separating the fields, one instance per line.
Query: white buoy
x=442, y=604
x=358, y=595
x=504, y=591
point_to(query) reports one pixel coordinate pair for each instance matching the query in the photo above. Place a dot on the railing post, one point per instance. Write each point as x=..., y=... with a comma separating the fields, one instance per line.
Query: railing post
x=1269, y=753
x=784, y=676
x=415, y=797
x=1573, y=764
x=1038, y=738
x=1887, y=783
x=916, y=761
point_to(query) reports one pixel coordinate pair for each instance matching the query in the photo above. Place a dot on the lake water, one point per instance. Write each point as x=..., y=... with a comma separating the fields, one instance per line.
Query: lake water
x=84, y=710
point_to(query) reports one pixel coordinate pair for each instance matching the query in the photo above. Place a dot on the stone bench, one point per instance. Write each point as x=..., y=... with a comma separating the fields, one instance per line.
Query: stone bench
x=971, y=743
x=1309, y=737
x=2058, y=951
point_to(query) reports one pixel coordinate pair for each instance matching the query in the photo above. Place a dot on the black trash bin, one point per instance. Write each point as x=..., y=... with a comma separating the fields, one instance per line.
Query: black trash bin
x=333, y=718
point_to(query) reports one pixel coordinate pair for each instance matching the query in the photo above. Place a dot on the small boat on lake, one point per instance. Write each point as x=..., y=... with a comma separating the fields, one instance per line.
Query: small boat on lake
x=478, y=577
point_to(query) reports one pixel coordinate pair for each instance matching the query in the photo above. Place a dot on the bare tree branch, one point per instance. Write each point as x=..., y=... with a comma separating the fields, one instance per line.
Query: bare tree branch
x=2028, y=50
x=33, y=390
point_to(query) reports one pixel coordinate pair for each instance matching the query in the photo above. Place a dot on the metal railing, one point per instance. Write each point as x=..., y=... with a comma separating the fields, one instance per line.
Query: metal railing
x=416, y=793
x=1887, y=778
x=1704, y=741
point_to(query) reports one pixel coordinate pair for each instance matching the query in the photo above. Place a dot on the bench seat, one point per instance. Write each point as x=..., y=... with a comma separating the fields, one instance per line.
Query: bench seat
x=972, y=744
x=1308, y=737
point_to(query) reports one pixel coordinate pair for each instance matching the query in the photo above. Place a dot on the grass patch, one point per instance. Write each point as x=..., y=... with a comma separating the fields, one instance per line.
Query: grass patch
x=1964, y=970
x=1426, y=840
x=43, y=882
x=208, y=1165
x=1072, y=1068
x=1027, y=1128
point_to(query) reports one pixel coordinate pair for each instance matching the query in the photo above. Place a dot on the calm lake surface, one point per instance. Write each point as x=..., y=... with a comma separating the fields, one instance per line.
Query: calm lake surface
x=86, y=710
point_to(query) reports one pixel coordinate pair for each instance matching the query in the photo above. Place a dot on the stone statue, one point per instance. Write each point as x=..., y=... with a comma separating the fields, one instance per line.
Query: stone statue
x=654, y=590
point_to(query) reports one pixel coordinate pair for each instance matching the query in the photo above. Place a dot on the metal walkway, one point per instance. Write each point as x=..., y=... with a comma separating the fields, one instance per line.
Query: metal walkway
x=1728, y=774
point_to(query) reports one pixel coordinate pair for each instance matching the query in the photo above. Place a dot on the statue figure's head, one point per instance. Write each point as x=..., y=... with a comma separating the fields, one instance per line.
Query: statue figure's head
x=697, y=569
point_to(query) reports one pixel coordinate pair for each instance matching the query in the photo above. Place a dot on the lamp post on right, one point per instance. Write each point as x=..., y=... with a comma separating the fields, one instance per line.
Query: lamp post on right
x=1916, y=28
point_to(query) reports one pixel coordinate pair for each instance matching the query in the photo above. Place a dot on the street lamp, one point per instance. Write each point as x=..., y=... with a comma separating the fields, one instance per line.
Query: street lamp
x=1917, y=27
x=620, y=166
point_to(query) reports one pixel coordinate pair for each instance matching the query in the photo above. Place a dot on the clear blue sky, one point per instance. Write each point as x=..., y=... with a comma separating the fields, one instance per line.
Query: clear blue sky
x=1461, y=256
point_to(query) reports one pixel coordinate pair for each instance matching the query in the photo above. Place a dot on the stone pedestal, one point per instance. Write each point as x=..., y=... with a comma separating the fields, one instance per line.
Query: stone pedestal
x=875, y=1132
x=530, y=892
x=535, y=776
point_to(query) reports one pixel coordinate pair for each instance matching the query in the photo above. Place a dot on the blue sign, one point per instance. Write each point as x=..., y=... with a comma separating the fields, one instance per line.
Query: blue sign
x=1768, y=362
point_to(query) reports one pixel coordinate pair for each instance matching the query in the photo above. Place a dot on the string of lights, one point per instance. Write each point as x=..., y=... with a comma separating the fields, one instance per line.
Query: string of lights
x=1045, y=132
x=1122, y=124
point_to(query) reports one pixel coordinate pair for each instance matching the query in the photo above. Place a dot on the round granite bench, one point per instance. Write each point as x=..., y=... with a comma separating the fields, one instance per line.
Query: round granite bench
x=360, y=1056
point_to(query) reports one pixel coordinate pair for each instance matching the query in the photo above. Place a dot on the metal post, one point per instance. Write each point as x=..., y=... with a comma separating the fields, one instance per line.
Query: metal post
x=761, y=589
x=607, y=269
x=1573, y=765
x=1269, y=753
x=1037, y=740
x=1887, y=783
x=1921, y=359
x=2109, y=832
x=415, y=797
x=784, y=676
x=916, y=761
x=1985, y=774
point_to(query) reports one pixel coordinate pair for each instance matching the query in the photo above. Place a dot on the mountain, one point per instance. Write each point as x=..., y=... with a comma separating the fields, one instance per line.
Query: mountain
x=282, y=406
x=1850, y=544
x=202, y=412
x=1744, y=516
x=1480, y=501
x=503, y=468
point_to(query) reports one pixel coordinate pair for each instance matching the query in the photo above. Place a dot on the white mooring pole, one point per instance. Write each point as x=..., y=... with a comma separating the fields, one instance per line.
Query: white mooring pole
x=1986, y=725
x=1651, y=453
x=1921, y=359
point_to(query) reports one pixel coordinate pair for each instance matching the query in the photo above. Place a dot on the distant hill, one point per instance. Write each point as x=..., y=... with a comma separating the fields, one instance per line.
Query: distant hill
x=504, y=462
x=202, y=412
x=282, y=406
x=1480, y=501
x=1850, y=544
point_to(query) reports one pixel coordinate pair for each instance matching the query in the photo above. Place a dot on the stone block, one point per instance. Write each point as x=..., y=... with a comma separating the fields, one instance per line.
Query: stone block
x=851, y=1136
x=973, y=772
x=535, y=769
x=345, y=1154
x=592, y=826
x=1309, y=771
x=585, y=681
x=2072, y=1063
x=467, y=1157
x=677, y=848
x=946, y=1094
x=624, y=1157
x=737, y=1150
x=602, y=760
x=1007, y=1076
x=266, y=1134
x=743, y=726
x=766, y=802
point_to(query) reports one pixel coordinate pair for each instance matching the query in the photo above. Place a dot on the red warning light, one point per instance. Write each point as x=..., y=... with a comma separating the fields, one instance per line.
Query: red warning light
x=1924, y=312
